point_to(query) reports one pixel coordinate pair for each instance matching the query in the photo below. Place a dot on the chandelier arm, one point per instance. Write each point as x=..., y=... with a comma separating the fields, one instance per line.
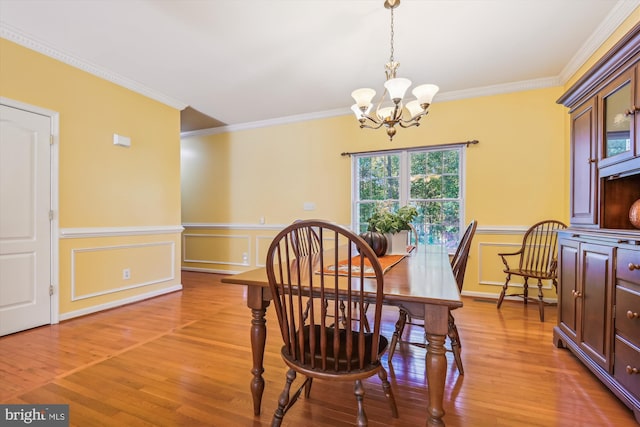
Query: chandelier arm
x=372, y=119
x=407, y=124
x=415, y=118
x=378, y=126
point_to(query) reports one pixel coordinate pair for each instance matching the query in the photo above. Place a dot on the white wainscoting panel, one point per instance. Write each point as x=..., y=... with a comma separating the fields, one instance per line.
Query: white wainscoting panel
x=91, y=265
x=214, y=248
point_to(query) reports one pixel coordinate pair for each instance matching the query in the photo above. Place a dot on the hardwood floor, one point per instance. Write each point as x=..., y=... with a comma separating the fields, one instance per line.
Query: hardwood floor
x=183, y=359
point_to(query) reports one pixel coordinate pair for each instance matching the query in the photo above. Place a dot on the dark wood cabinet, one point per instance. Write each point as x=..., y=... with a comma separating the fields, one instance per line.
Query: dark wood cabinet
x=584, y=153
x=586, y=296
x=599, y=305
x=599, y=254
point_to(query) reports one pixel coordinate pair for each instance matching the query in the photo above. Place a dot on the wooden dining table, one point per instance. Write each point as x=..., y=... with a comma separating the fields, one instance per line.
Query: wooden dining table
x=422, y=283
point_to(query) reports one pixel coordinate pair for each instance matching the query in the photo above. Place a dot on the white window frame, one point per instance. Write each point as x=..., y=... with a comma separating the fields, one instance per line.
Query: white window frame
x=404, y=178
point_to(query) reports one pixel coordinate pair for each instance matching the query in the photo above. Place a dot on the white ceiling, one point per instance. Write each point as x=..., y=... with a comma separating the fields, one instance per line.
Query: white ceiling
x=242, y=61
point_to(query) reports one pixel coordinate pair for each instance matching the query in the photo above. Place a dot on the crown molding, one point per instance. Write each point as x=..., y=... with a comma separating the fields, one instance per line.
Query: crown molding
x=267, y=123
x=14, y=35
x=445, y=96
x=620, y=12
x=499, y=89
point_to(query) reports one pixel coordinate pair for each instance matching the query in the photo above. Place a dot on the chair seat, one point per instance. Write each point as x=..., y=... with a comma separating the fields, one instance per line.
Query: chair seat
x=315, y=363
x=543, y=275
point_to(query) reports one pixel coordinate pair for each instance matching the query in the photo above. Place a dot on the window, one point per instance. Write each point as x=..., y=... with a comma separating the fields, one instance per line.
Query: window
x=428, y=178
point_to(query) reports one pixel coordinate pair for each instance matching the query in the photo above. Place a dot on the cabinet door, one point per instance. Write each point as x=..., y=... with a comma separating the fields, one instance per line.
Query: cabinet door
x=596, y=295
x=568, y=262
x=617, y=111
x=584, y=181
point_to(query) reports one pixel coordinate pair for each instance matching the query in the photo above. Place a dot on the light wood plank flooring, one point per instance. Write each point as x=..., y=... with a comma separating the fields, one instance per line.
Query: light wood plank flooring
x=183, y=359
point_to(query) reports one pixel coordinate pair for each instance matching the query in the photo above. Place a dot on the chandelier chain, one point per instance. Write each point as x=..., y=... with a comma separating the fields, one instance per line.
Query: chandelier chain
x=391, y=57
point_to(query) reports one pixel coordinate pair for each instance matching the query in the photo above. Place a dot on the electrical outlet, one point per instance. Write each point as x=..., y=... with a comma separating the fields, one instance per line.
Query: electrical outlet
x=245, y=258
x=126, y=274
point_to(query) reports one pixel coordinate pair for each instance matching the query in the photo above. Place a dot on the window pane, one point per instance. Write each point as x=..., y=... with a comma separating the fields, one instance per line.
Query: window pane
x=393, y=189
x=434, y=162
x=418, y=164
x=450, y=186
x=451, y=162
x=430, y=180
x=433, y=185
x=617, y=122
x=378, y=177
x=418, y=186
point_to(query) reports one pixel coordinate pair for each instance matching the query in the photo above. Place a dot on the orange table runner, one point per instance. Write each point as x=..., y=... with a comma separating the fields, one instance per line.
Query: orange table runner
x=386, y=261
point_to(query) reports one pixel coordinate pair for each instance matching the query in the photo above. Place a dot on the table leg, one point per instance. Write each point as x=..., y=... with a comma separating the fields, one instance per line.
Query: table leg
x=258, y=306
x=436, y=362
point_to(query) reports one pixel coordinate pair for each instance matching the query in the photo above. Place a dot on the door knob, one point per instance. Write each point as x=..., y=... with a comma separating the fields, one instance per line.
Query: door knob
x=632, y=315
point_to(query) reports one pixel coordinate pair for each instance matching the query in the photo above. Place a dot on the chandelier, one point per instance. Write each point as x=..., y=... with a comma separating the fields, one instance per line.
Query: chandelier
x=392, y=111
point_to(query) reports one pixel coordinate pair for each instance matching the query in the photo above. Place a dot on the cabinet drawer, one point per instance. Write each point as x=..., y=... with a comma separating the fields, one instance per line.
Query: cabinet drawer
x=627, y=312
x=627, y=358
x=623, y=272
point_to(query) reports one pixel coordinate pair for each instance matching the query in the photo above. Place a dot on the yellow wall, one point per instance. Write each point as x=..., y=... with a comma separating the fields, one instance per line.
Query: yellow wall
x=513, y=177
x=103, y=188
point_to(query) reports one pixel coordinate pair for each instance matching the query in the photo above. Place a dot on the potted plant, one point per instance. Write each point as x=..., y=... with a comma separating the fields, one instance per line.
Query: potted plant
x=394, y=225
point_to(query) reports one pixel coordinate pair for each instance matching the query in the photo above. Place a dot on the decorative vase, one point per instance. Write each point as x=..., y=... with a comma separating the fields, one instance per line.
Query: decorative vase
x=376, y=240
x=397, y=242
x=634, y=214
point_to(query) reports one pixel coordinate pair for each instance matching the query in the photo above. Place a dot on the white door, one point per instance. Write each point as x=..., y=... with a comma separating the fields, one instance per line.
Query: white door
x=25, y=227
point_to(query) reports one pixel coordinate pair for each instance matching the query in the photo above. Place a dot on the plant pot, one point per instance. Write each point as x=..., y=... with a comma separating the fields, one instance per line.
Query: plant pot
x=377, y=241
x=397, y=242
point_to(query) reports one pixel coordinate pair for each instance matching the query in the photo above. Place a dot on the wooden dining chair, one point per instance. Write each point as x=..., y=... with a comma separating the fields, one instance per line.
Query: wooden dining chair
x=305, y=248
x=315, y=346
x=459, y=267
x=536, y=259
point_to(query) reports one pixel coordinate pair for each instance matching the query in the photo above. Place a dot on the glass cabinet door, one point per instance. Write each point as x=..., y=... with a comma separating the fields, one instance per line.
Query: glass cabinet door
x=617, y=121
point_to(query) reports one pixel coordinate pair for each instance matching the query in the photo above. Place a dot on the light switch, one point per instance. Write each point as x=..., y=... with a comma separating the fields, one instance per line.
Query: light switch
x=123, y=141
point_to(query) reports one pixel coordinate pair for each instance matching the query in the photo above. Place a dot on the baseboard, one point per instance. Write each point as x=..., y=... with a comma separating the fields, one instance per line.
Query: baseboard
x=118, y=303
x=488, y=295
x=210, y=270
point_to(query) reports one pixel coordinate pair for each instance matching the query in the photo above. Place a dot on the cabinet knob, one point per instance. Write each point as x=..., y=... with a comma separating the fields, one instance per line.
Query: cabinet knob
x=576, y=294
x=633, y=266
x=632, y=315
x=631, y=370
x=632, y=111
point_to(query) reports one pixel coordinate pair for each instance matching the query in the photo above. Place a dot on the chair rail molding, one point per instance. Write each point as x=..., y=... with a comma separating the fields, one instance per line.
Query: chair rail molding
x=491, y=229
x=76, y=233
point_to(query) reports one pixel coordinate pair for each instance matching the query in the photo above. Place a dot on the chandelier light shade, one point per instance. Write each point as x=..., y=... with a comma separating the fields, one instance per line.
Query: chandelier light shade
x=392, y=109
